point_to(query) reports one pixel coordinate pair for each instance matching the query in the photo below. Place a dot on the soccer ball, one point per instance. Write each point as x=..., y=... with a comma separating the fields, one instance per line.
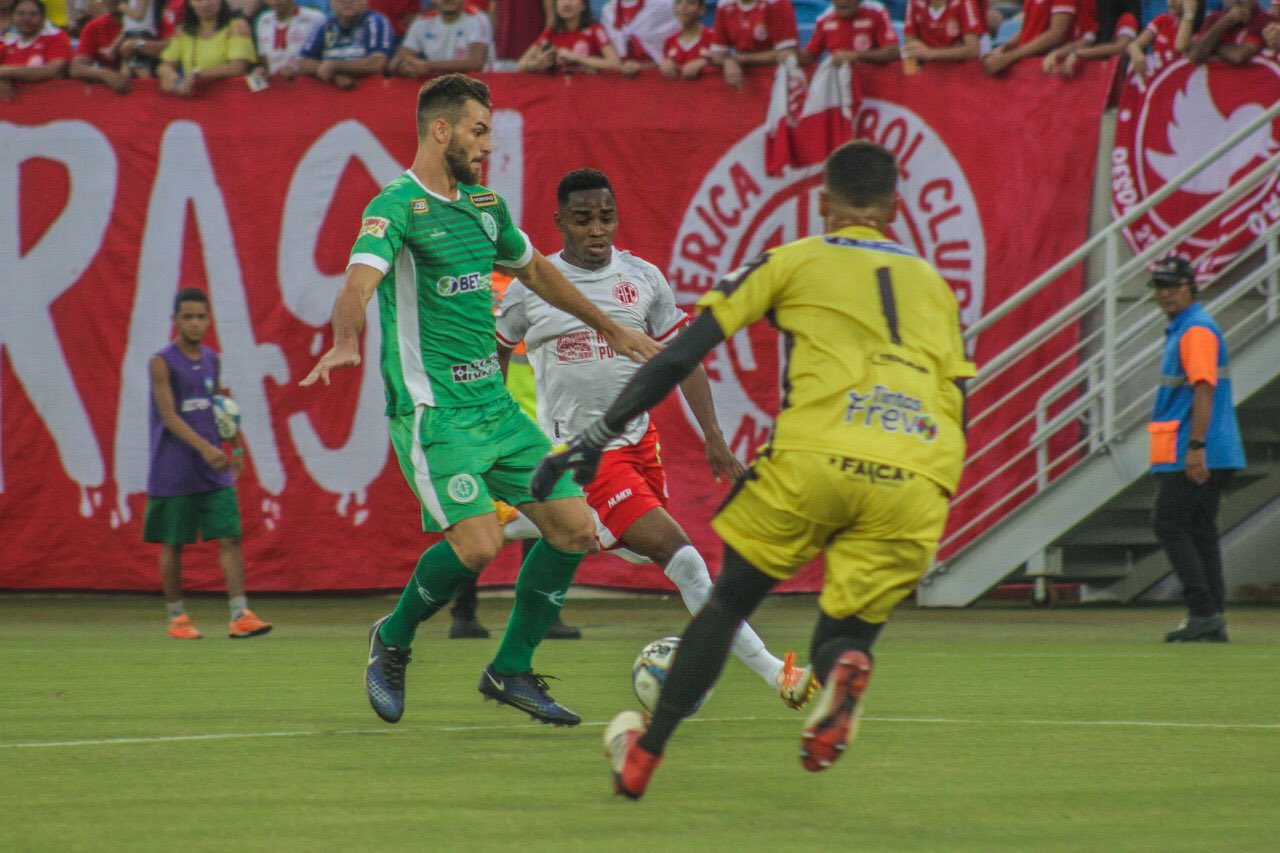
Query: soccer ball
x=226, y=415
x=649, y=672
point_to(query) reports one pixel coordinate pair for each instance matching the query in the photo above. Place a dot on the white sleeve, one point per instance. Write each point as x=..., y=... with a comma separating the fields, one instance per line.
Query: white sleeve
x=414, y=38
x=513, y=318
x=664, y=317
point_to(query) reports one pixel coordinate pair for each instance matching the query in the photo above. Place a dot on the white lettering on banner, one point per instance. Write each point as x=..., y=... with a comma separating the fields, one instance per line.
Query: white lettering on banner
x=33, y=281
x=348, y=469
x=184, y=174
x=739, y=212
x=1171, y=119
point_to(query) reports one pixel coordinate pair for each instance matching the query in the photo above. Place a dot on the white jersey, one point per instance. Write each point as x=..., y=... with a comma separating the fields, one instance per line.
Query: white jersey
x=434, y=39
x=280, y=43
x=576, y=372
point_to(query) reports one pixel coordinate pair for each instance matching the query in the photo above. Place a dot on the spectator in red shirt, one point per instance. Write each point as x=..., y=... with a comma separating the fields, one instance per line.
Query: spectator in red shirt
x=97, y=58
x=687, y=53
x=943, y=30
x=1233, y=34
x=401, y=14
x=858, y=31
x=572, y=41
x=752, y=32
x=35, y=53
x=638, y=30
x=1116, y=28
x=1168, y=35
x=1271, y=39
x=1045, y=25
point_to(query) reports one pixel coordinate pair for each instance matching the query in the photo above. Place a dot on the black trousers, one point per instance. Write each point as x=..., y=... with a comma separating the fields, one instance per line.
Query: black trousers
x=1186, y=525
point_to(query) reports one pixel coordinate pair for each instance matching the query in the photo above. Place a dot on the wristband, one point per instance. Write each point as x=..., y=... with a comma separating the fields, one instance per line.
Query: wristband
x=597, y=435
x=238, y=452
x=1195, y=444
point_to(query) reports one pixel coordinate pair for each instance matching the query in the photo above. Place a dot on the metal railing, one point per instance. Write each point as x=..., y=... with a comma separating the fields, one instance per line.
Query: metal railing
x=1101, y=385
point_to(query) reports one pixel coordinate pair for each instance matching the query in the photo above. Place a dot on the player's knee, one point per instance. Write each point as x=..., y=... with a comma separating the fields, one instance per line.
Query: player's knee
x=477, y=554
x=575, y=533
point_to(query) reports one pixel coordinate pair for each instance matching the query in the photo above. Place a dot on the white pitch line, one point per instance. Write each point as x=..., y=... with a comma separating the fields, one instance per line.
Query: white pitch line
x=952, y=721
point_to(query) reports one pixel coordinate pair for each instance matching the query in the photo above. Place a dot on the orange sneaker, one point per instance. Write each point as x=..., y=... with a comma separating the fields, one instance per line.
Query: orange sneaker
x=248, y=625
x=632, y=765
x=182, y=628
x=505, y=512
x=796, y=684
x=834, y=722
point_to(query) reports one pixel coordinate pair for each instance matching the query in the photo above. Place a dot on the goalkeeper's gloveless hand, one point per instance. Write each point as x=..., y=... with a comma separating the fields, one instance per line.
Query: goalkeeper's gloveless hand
x=575, y=456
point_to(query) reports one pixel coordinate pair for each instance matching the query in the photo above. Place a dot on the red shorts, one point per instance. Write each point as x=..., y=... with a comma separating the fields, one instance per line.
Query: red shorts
x=630, y=482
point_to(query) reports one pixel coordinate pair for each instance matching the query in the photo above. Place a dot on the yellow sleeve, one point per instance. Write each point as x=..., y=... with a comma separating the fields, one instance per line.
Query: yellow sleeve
x=744, y=295
x=173, y=50
x=241, y=47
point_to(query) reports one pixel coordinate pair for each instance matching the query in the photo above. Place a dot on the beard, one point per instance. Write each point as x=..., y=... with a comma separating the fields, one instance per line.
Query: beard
x=459, y=164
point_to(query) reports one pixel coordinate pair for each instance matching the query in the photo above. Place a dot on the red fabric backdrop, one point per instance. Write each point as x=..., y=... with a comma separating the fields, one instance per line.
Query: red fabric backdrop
x=255, y=197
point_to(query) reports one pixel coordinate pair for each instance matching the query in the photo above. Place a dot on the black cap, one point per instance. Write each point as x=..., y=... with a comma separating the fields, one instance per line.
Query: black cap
x=1173, y=271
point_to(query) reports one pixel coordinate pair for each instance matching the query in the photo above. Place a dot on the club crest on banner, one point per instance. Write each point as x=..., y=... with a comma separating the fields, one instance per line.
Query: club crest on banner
x=1167, y=123
x=740, y=211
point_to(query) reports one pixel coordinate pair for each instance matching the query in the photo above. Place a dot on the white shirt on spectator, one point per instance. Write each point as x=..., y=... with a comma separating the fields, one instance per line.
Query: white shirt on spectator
x=280, y=43
x=436, y=40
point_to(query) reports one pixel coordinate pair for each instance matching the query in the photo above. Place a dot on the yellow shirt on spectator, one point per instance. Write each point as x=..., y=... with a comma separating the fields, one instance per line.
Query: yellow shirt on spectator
x=193, y=52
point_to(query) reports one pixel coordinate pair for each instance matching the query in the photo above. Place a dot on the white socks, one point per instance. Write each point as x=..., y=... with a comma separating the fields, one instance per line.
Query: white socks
x=239, y=604
x=688, y=572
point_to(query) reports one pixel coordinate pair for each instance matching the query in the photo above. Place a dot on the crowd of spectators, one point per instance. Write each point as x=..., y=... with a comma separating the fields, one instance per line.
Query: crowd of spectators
x=186, y=43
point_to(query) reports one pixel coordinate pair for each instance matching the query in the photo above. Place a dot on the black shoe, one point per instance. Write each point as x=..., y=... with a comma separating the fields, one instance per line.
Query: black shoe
x=384, y=676
x=561, y=631
x=467, y=629
x=526, y=692
x=1212, y=628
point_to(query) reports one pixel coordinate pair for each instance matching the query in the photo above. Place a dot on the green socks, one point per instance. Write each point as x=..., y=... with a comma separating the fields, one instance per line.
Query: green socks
x=540, y=587
x=434, y=583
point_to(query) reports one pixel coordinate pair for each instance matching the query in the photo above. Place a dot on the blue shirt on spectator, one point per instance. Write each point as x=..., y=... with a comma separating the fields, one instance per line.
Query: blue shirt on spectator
x=371, y=34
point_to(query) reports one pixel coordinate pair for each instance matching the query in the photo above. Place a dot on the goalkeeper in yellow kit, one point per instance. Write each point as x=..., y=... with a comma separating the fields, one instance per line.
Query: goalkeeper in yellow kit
x=866, y=450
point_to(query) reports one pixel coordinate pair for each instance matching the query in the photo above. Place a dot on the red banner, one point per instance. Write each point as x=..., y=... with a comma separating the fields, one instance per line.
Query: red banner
x=1173, y=118
x=255, y=197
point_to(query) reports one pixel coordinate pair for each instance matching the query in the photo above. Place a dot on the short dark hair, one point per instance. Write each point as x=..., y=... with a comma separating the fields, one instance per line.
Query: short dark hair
x=862, y=174
x=38, y=3
x=191, y=21
x=189, y=294
x=560, y=25
x=446, y=96
x=579, y=180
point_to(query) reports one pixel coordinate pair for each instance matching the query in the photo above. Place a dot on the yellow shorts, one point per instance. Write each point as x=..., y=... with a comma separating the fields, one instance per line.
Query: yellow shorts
x=877, y=526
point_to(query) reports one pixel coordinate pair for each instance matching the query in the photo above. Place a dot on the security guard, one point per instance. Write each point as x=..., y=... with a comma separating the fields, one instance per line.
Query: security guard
x=1195, y=448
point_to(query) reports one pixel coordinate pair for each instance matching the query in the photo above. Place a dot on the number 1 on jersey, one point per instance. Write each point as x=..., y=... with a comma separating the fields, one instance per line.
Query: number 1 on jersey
x=888, y=305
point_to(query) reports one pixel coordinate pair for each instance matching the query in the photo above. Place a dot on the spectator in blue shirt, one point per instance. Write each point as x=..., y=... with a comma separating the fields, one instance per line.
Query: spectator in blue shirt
x=354, y=42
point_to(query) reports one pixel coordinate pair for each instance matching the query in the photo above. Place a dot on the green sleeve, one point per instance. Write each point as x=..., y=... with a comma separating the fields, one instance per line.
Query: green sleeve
x=382, y=230
x=514, y=249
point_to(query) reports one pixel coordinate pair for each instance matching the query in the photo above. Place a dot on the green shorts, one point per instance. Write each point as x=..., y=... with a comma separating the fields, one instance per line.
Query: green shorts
x=459, y=460
x=177, y=520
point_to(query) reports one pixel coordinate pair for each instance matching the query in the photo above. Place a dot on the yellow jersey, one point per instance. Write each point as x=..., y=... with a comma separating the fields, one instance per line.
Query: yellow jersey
x=872, y=347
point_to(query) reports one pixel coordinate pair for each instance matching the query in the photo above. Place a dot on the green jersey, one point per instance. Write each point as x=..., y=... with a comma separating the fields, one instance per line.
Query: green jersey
x=436, y=311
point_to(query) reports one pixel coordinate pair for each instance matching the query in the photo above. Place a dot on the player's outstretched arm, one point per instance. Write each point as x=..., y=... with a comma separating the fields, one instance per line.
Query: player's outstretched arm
x=542, y=277
x=697, y=391
x=646, y=389
x=348, y=320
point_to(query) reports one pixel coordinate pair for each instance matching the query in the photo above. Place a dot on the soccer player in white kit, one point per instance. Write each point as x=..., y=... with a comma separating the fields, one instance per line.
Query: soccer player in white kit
x=577, y=376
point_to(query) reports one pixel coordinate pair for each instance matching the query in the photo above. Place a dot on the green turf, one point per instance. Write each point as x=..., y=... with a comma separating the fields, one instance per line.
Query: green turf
x=994, y=728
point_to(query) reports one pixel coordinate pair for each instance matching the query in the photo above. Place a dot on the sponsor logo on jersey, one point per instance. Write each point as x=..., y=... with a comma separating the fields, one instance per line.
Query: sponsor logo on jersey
x=484, y=199
x=582, y=345
x=419, y=205
x=374, y=226
x=891, y=411
x=739, y=212
x=195, y=404
x=1170, y=120
x=626, y=294
x=619, y=498
x=874, y=472
x=462, y=488
x=474, y=371
x=489, y=224
x=472, y=281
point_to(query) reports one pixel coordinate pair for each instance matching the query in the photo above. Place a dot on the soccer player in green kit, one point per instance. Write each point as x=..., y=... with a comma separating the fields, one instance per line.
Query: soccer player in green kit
x=427, y=246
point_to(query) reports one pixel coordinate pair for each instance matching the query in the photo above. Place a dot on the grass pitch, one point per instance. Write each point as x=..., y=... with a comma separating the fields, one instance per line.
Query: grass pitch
x=991, y=728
